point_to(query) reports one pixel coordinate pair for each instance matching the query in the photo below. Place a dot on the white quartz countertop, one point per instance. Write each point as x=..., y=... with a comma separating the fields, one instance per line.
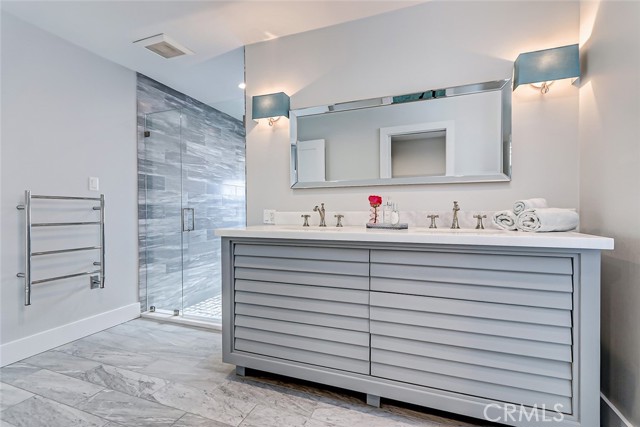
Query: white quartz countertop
x=566, y=240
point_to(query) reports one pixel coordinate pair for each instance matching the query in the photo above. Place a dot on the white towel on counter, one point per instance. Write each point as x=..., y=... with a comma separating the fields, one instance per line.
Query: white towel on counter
x=547, y=219
x=522, y=205
x=505, y=220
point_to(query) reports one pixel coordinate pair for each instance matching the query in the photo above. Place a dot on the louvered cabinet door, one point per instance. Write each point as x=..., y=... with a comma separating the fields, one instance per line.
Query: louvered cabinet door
x=497, y=327
x=303, y=304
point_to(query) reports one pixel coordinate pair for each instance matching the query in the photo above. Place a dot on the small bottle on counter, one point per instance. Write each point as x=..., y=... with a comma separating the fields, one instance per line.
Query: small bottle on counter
x=395, y=215
x=387, y=210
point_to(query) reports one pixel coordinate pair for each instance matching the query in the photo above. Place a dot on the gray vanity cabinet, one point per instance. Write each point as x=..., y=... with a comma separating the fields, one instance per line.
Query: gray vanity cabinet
x=303, y=304
x=493, y=326
x=452, y=327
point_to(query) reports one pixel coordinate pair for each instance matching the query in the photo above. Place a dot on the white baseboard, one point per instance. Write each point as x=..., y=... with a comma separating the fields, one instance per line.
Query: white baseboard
x=610, y=416
x=29, y=346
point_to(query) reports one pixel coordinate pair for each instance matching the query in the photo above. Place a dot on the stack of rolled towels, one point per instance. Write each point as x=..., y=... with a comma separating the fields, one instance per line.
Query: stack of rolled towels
x=535, y=215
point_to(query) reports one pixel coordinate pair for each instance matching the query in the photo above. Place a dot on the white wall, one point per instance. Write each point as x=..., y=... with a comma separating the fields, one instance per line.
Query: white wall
x=436, y=44
x=66, y=115
x=610, y=186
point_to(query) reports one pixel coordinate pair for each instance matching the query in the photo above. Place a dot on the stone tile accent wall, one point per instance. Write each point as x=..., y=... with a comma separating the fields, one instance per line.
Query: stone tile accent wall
x=194, y=158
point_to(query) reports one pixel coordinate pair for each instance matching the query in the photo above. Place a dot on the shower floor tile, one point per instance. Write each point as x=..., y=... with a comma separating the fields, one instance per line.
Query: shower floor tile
x=209, y=308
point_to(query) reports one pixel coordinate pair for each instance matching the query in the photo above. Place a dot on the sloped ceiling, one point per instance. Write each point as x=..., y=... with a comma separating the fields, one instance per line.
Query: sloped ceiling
x=215, y=30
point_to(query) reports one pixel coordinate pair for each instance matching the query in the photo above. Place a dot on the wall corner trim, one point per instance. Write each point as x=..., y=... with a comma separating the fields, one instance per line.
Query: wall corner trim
x=22, y=348
x=611, y=414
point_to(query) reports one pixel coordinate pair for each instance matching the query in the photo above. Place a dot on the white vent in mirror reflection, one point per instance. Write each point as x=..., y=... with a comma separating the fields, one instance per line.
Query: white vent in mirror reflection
x=164, y=46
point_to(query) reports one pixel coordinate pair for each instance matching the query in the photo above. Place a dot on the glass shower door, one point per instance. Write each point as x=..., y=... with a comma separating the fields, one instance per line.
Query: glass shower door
x=161, y=170
x=193, y=173
x=200, y=199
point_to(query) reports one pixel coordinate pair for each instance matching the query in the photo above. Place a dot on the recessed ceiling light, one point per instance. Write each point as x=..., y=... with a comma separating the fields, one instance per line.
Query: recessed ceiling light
x=164, y=46
x=242, y=85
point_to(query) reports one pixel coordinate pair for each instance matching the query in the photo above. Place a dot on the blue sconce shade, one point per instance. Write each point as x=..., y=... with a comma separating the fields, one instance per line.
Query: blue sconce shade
x=269, y=106
x=547, y=65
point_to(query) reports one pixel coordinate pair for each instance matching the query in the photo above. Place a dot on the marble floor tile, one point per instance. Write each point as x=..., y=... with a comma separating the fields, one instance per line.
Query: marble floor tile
x=10, y=395
x=113, y=356
x=214, y=405
x=322, y=395
x=215, y=363
x=317, y=423
x=134, y=327
x=153, y=336
x=129, y=410
x=417, y=417
x=128, y=382
x=157, y=374
x=156, y=344
x=18, y=370
x=39, y=411
x=58, y=387
x=266, y=416
x=63, y=363
x=184, y=373
x=343, y=417
x=266, y=395
x=191, y=420
x=132, y=344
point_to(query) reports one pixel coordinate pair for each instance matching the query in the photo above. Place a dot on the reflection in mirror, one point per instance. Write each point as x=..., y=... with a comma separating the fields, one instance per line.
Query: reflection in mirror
x=416, y=154
x=460, y=134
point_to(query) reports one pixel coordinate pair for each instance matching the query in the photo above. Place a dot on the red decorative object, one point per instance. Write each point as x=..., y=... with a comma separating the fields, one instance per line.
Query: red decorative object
x=375, y=202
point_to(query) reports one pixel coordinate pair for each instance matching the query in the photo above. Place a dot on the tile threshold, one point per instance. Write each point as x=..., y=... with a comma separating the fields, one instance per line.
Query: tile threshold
x=169, y=318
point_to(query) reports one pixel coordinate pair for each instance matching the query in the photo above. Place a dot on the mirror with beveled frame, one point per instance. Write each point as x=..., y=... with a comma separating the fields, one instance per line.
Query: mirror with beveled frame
x=452, y=135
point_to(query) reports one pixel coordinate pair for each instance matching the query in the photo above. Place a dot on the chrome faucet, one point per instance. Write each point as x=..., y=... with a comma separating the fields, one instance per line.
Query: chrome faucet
x=480, y=225
x=321, y=212
x=456, y=208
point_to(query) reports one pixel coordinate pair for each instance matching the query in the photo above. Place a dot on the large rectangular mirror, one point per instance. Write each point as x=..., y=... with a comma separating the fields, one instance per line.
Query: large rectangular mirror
x=458, y=134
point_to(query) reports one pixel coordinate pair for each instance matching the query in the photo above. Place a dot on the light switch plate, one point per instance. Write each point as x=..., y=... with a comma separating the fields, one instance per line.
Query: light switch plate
x=269, y=216
x=94, y=183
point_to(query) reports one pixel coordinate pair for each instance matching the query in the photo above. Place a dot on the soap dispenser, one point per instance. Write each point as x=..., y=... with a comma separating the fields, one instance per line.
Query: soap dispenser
x=387, y=213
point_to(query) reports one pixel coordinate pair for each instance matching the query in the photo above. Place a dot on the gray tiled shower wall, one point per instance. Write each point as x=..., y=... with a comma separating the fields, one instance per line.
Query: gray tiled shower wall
x=210, y=179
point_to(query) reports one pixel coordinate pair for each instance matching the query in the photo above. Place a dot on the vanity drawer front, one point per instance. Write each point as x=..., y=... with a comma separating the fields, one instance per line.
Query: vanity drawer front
x=522, y=280
x=303, y=304
x=302, y=252
x=303, y=356
x=499, y=315
x=477, y=261
x=458, y=382
x=515, y=354
x=317, y=345
x=301, y=265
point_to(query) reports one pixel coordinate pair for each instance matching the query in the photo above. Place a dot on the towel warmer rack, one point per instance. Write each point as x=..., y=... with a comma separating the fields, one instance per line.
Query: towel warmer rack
x=28, y=225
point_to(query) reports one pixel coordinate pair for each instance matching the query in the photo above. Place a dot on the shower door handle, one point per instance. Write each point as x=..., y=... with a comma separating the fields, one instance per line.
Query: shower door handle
x=188, y=219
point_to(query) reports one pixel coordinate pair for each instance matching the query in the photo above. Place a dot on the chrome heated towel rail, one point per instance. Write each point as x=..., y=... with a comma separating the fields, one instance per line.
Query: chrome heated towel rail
x=29, y=254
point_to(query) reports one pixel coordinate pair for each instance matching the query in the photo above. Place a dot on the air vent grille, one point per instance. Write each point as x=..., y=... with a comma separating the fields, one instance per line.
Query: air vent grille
x=164, y=46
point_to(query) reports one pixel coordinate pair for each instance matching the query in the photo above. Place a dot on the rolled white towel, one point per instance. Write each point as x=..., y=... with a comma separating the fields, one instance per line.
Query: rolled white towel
x=547, y=219
x=522, y=205
x=506, y=220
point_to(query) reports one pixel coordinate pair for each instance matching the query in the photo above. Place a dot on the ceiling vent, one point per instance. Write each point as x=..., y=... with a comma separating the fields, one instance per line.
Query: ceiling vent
x=163, y=46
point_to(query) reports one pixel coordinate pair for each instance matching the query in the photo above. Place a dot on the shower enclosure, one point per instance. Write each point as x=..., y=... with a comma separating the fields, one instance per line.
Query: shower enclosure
x=191, y=181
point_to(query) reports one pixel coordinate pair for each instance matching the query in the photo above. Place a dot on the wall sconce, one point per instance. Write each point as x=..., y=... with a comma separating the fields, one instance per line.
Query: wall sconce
x=542, y=67
x=272, y=106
